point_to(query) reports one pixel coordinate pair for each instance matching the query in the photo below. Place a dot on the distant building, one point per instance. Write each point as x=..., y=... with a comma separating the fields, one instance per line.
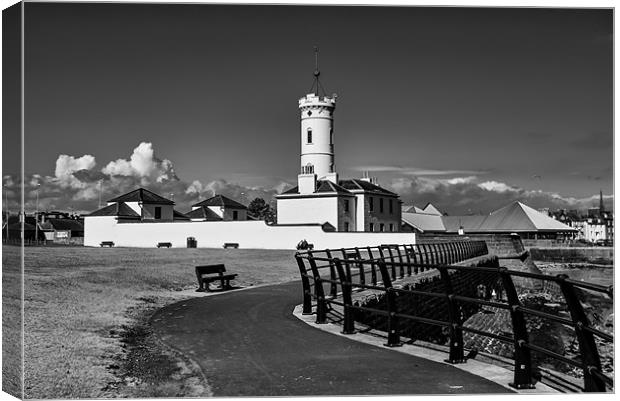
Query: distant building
x=513, y=218
x=595, y=227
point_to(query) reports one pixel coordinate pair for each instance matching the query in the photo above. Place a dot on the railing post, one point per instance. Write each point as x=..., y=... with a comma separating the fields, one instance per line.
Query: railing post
x=333, y=288
x=587, y=346
x=305, y=285
x=444, y=253
x=348, y=326
x=426, y=258
x=321, y=303
x=360, y=265
x=392, y=267
x=373, y=269
x=392, y=308
x=456, y=332
x=408, y=257
x=522, y=356
x=401, y=270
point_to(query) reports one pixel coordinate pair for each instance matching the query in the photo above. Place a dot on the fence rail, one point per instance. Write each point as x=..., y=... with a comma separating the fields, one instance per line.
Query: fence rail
x=332, y=276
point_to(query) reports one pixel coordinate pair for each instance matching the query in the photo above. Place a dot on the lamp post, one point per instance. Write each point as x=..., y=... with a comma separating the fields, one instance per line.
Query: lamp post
x=6, y=208
x=36, y=216
x=100, y=185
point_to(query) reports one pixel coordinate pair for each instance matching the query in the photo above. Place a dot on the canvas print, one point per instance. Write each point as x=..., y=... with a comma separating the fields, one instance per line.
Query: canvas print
x=227, y=200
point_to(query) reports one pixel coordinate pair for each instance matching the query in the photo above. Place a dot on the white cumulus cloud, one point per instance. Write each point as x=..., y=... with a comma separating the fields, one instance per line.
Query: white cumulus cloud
x=142, y=164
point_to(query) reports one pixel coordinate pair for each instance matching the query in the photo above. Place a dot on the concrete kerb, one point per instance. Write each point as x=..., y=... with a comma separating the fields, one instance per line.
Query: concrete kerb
x=494, y=373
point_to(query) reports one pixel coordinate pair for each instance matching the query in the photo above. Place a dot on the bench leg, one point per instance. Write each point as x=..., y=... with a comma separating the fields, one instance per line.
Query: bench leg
x=200, y=283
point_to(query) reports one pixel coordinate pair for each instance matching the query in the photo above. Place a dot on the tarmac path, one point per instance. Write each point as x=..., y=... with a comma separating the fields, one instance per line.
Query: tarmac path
x=248, y=343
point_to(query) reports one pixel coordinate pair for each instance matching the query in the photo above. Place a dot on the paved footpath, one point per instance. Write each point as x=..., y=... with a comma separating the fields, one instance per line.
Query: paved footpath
x=248, y=343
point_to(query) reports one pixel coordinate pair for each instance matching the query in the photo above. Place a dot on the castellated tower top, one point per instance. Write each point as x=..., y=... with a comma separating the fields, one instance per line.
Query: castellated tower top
x=312, y=100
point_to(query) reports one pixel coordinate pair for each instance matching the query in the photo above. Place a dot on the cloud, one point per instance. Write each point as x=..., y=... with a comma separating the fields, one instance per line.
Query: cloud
x=77, y=183
x=415, y=171
x=465, y=195
x=495, y=186
x=142, y=164
x=67, y=165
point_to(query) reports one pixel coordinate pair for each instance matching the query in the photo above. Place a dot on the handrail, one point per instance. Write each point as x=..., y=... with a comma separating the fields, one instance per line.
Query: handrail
x=377, y=268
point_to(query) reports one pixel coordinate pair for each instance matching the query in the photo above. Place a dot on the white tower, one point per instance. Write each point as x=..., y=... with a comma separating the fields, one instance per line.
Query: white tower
x=317, y=136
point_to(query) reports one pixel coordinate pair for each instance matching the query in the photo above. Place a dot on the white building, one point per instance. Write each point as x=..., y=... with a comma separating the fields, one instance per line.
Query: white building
x=320, y=197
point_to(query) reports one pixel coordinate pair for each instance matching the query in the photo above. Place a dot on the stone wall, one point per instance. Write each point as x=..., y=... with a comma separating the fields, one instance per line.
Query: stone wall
x=600, y=255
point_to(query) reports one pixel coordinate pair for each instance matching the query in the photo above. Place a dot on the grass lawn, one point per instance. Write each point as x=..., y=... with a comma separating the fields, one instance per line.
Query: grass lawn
x=78, y=299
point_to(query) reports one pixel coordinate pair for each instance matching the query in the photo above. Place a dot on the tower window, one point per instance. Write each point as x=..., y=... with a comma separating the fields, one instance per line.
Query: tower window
x=309, y=135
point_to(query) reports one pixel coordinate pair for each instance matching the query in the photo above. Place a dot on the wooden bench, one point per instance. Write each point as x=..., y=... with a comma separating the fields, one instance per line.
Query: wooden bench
x=106, y=243
x=210, y=273
x=231, y=245
x=164, y=244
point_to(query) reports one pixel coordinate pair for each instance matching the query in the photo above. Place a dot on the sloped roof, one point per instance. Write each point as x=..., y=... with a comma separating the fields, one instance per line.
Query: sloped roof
x=328, y=186
x=430, y=209
x=144, y=196
x=411, y=209
x=220, y=200
x=322, y=186
x=520, y=217
x=516, y=217
x=469, y=223
x=357, y=185
x=203, y=212
x=176, y=215
x=424, y=222
x=116, y=209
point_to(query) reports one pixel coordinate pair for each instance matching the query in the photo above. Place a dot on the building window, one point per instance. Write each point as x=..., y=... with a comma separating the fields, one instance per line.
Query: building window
x=157, y=212
x=391, y=226
x=235, y=215
x=309, y=135
x=346, y=226
x=346, y=206
x=371, y=203
x=391, y=207
x=382, y=227
x=371, y=227
x=381, y=206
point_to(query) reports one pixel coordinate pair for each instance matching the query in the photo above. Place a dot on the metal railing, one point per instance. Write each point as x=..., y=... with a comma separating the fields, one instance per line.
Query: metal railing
x=331, y=277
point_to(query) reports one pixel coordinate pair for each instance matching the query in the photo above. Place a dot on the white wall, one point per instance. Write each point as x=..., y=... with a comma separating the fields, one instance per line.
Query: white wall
x=213, y=234
x=308, y=210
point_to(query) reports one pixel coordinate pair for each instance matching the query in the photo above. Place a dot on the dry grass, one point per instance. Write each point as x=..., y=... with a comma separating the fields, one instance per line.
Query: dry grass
x=76, y=297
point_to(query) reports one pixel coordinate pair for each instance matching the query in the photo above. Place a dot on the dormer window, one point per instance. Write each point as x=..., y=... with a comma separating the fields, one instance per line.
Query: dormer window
x=309, y=136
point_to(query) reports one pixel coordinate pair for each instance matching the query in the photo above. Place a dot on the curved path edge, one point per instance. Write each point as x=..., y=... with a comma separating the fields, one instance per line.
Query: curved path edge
x=494, y=373
x=249, y=343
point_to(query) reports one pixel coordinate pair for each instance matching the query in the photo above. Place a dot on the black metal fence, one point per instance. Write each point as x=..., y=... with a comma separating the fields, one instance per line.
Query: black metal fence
x=331, y=278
